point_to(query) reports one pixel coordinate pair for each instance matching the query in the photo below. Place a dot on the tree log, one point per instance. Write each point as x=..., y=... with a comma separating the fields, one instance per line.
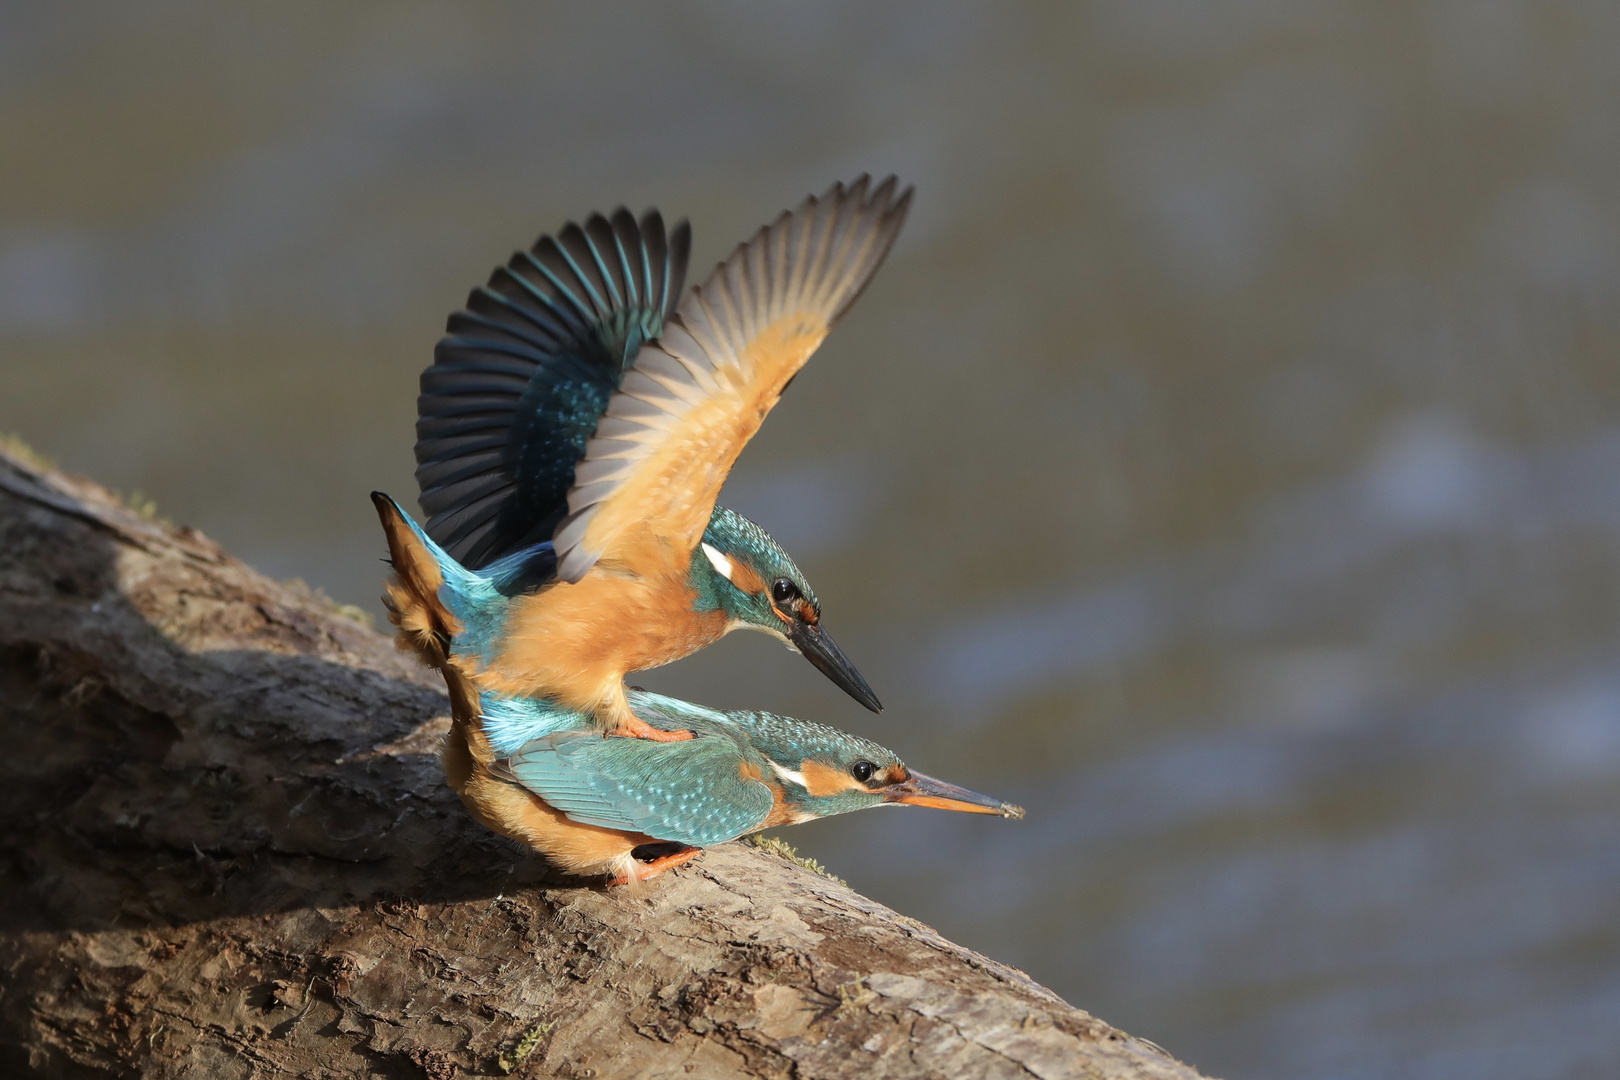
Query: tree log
x=228, y=851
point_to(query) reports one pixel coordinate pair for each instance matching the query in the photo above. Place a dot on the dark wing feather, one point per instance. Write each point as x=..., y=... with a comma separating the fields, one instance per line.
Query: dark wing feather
x=524, y=372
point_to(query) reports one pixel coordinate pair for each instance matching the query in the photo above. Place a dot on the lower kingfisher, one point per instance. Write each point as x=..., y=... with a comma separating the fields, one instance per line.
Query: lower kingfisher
x=577, y=425
x=633, y=808
x=541, y=772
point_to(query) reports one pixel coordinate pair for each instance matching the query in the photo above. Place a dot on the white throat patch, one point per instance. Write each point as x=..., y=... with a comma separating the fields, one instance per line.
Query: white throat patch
x=721, y=563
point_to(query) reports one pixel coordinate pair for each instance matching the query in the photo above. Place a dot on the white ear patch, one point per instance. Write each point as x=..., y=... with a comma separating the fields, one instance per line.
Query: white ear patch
x=794, y=775
x=721, y=563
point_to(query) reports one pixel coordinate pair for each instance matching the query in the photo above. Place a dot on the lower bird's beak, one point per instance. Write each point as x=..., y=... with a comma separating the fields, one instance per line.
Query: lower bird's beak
x=923, y=790
x=819, y=649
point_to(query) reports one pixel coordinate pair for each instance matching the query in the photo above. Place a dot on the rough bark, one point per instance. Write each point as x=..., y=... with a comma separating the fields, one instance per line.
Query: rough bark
x=227, y=851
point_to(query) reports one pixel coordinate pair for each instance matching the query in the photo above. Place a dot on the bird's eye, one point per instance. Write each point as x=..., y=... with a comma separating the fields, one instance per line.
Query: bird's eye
x=862, y=770
x=783, y=590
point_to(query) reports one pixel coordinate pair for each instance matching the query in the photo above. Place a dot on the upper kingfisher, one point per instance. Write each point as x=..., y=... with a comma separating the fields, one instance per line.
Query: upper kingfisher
x=541, y=772
x=577, y=425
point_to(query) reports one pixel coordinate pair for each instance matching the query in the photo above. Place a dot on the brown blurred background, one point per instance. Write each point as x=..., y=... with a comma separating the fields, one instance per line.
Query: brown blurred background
x=1226, y=465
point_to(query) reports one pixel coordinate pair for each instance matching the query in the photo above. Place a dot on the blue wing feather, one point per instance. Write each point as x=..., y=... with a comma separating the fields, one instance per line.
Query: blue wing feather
x=524, y=373
x=691, y=792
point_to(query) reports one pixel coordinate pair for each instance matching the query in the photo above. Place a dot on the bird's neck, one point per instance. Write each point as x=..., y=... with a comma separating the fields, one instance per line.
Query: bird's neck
x=710, y=591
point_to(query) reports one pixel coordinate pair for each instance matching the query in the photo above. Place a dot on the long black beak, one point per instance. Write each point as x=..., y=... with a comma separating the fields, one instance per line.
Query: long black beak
x=819, y=649
x=923, y=790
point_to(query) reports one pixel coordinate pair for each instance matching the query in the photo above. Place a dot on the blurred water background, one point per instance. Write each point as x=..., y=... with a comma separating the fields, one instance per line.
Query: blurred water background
x=1226, y=465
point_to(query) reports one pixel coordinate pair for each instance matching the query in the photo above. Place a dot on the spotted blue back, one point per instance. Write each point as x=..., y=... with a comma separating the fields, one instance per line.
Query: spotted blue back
x=693, y=792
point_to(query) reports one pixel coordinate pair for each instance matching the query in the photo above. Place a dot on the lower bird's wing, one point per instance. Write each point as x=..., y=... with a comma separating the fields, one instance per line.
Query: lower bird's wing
x=703, y=791
x=519, y=382
x=693, y=399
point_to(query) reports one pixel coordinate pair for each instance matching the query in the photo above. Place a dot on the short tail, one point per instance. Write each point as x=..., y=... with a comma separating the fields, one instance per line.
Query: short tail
x=426, y=625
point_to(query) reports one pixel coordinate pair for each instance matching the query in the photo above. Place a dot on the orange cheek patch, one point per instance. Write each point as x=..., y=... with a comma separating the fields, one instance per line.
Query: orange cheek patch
x=746, y=578
x=821, y=779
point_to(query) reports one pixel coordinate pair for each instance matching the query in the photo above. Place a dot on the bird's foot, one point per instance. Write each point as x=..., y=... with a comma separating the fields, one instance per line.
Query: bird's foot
x=637, y=728
x=639, y=870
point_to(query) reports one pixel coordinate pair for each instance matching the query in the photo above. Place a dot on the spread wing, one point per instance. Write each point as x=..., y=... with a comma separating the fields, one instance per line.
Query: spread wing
x=693, y=399
x=694, y=792
x=519, y=382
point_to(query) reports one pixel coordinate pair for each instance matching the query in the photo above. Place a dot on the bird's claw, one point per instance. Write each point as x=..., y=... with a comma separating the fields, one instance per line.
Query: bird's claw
x=637, y=728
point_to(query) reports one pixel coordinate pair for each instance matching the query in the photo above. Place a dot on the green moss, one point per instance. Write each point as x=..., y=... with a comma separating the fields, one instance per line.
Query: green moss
x=525, y=1046
x=318, y=594
x=355, y=612
x=138, y=501
x=14, y=447
x=782, y=849
x=854, y=995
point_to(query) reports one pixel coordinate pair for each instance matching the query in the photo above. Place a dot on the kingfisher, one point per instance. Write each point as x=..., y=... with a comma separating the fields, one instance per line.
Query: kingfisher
x=579, y=420
x=544, y=773
x=633, y=808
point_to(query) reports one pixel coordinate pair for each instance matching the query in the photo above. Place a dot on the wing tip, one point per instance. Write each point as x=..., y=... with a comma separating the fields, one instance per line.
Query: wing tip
x=846, y=234
x=879, y=216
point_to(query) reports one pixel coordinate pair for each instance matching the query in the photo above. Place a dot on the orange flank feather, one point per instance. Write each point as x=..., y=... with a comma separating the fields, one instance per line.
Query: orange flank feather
x=782, y=811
